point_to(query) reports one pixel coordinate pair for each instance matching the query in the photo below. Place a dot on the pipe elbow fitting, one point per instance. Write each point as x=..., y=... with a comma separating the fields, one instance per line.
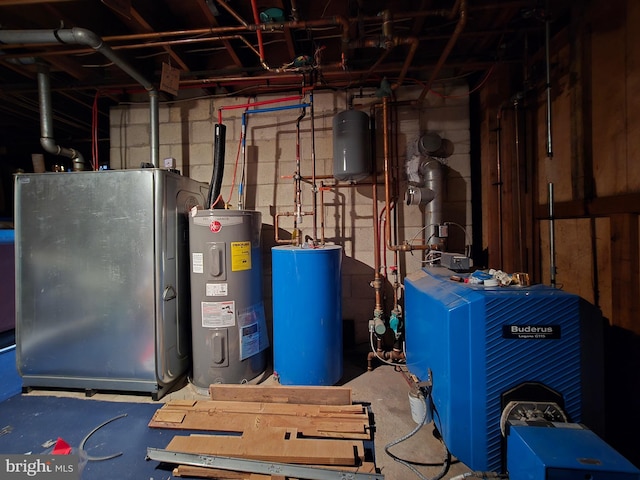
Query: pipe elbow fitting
x=49, y=145
x=87, y=37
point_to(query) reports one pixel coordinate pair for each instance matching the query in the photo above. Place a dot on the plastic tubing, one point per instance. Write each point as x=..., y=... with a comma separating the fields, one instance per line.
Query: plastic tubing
x=257, y=104
x=277, y=109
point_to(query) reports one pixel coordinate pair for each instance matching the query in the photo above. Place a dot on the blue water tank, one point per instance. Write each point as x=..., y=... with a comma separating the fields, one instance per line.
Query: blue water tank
x=307, y=314
x=476, y=343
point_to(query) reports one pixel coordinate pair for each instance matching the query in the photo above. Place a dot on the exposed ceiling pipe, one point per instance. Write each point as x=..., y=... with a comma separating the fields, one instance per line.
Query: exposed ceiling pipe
x=244, y=23
x=461, y=8
x=294, y=11
x=389, y=41
x=256, y=19
x=46, y=122
x=81, y=36
x=413, y=42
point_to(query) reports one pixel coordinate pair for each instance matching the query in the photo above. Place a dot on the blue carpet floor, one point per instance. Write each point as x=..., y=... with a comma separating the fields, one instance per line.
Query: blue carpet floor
x=10, y=381
x=27, y=422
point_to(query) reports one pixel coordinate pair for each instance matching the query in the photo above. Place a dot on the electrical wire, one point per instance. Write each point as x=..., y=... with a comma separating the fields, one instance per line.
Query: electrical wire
x=473, y=90
x=466, y=235
x=84, y=440
x=95, y=163
x=446, y=462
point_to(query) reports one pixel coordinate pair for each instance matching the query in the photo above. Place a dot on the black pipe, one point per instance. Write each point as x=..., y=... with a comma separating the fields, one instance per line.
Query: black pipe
x=218, y=164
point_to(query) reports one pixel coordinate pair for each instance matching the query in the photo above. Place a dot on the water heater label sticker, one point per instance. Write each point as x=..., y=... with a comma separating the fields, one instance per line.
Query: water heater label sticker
x=240, y=256
x=197, y=261
x=249, y=341
x=531, y=332
x=218, y=314
x=217, y=290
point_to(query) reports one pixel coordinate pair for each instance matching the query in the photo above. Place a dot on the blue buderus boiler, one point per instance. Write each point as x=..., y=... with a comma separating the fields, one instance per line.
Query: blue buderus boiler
x=482, y=348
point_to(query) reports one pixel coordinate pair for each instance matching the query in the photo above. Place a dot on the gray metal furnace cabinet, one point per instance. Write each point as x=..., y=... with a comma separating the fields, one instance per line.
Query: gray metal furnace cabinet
x=102, y=279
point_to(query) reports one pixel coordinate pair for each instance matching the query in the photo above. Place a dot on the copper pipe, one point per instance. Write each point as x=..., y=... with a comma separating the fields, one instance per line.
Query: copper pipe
x=296, y=239
x=256, y=19
x=336, y=20
x=413, y=42
x=405, y=246
x=314, y=200
x=394, y=355
x=377, y=278
x=322, y=189
x=387, y=180
x=460, y=5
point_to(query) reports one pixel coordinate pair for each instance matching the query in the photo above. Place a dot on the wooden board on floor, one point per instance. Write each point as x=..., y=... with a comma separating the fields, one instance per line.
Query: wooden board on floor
x=273, y=445
x=350, y=422
x=295, y=409
x=313, y=395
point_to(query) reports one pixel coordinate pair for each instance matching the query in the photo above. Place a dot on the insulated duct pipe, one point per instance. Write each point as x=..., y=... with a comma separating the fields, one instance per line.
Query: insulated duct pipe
x=431, y=171
x=220, y=135
x=46, y=122
x=405, y=246
x=81, y=36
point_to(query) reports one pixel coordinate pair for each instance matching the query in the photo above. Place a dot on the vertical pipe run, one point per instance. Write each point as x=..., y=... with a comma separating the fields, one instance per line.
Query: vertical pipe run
x=314, y=205
x=499, y=180
x=243, y=133
x=518, y=187
x=377, y=278
x=387, y=167
x=552, y=239
x=297, y=177
x=46, y=122
x=547, y=40
x=256, y=19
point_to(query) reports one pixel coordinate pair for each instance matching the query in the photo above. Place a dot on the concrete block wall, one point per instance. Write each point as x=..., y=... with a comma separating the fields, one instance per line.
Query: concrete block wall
x=187, y=135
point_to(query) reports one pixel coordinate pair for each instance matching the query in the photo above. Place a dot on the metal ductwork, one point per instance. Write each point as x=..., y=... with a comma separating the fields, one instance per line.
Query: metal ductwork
x=81, y=36
x=46, y=122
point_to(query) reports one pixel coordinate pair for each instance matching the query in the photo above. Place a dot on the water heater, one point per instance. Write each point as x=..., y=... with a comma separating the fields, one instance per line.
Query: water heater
x=229, y=334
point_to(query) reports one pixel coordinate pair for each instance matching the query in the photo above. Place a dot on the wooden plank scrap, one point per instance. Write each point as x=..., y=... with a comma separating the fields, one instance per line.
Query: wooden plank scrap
x=273, y=445
x=275, y=408
x=239, y=422
x=350, y=421
x=315, y=395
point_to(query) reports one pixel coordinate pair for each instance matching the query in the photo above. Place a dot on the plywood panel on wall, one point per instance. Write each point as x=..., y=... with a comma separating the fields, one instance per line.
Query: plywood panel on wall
x=603, y=266
x=574, y=256
x=633, y=97
x=609, y=100
x=556, y=169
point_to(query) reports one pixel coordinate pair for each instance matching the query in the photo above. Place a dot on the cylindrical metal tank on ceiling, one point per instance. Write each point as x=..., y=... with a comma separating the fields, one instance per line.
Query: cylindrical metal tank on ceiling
x=351, y=146
x=229, y=332
x=307, y=314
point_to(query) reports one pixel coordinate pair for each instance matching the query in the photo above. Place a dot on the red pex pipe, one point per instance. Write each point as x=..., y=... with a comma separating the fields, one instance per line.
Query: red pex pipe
x=256, y=104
